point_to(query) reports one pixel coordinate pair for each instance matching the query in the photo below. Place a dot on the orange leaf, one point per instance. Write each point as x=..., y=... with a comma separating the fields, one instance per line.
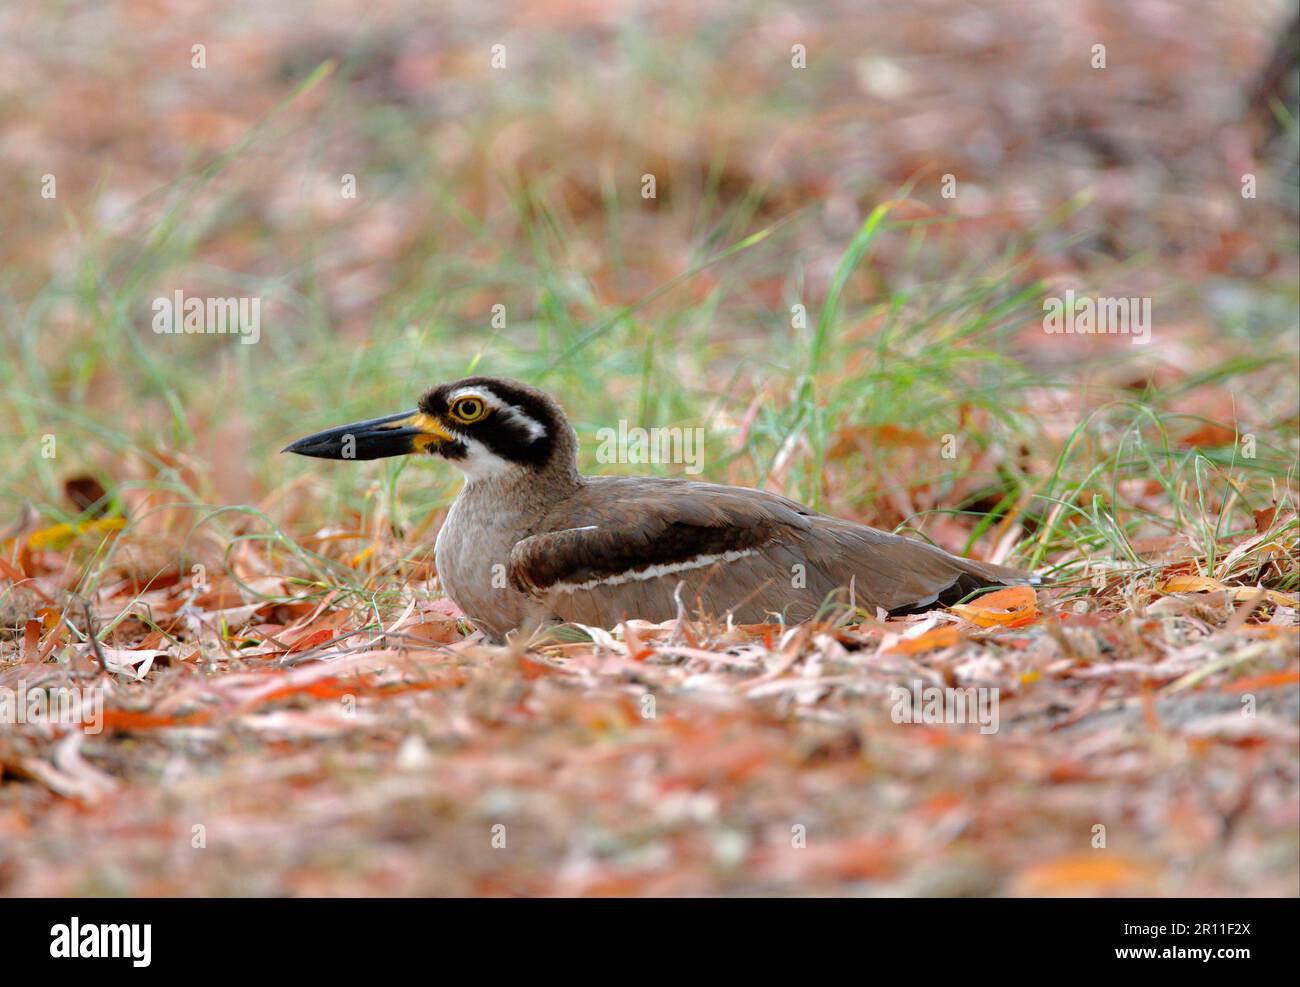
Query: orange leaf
x=1269, y=631
x=31, y=638
x=1202, y=584
x=1014, y=606
x=1191, y=584
x=441, y=631
x=940, y=637
x=1011, y=598
x=1210, y=434
x=1084, y=873
x=311, y=640
x=124, y=719
x=1267, y=681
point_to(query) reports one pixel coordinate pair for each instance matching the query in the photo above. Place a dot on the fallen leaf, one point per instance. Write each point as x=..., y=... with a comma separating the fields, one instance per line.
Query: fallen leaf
x=1098, y=872
x=1203, y=584
x=61, y=535
x=1015, y=606
x=311, y=639
x=1272, y=680
x=940, y=637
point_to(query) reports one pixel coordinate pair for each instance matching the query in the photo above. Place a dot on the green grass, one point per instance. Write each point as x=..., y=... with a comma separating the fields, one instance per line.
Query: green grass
x=930, y=339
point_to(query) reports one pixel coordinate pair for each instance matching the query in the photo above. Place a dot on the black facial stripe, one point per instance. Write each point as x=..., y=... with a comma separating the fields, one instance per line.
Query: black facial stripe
x=504, y=434
x=453, y=450
x=509, y=438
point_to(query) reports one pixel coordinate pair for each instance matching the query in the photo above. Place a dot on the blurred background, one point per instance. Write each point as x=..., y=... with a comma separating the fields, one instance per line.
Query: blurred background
x=521, y=187
x=858, y=211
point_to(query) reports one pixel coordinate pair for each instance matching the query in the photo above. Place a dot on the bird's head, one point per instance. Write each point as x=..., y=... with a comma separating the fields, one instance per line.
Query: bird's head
x=487, y=426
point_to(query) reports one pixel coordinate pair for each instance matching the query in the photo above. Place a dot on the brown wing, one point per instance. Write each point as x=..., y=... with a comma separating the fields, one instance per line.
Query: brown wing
x=622, y=546
x=620, y=526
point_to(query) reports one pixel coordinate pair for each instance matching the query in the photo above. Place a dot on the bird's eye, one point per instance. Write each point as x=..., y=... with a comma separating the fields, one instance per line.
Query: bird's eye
x=468, y=410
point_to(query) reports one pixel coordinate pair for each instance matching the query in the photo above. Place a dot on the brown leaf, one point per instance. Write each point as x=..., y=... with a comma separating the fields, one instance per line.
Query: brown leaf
x=85, y=492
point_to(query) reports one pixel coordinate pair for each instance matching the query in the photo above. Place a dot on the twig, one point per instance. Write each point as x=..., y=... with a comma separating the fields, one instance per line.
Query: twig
x=94, y=640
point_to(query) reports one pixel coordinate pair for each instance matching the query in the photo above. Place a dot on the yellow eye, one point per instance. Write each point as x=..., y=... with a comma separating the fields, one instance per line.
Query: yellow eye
x=468, y=410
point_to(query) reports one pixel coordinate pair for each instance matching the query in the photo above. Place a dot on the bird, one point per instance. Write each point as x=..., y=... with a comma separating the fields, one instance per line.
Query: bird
x=530, y=541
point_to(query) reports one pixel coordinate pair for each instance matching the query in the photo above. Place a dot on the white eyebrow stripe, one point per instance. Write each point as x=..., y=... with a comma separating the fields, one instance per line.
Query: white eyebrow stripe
x=536, y=430
x=478, y=392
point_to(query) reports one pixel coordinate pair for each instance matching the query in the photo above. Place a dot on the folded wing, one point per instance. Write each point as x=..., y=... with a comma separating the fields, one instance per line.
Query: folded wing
x=622, y=547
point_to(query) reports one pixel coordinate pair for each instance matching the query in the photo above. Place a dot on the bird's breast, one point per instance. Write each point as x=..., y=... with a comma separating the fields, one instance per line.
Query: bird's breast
x=472, y=553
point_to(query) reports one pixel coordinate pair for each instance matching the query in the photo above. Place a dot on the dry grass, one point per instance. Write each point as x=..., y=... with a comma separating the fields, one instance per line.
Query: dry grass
x=290, y=704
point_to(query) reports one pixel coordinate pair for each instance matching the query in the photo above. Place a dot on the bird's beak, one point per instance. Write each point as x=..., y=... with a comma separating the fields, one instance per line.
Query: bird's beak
x=396, y=435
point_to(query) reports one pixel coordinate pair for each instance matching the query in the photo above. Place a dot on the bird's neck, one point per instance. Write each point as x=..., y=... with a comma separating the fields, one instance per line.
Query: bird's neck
x=519, y=490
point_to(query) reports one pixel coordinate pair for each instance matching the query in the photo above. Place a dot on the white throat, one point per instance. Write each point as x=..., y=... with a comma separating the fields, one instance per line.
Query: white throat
x=480, y=463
